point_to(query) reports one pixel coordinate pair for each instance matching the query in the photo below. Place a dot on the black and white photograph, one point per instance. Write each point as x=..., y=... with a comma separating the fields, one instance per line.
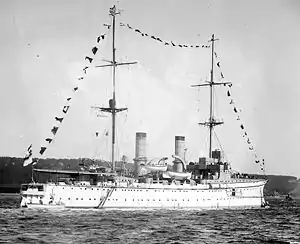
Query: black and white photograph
x=146, y=121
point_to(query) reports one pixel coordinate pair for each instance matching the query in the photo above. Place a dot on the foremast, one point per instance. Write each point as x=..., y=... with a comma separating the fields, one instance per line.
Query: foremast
x=112, y=102
x=211, y=122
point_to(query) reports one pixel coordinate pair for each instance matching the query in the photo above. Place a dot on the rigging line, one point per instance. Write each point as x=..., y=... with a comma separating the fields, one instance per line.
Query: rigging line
x=220, y=145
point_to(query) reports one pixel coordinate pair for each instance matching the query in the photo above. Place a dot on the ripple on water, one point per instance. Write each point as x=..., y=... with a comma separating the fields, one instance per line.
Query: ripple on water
x=279, y=224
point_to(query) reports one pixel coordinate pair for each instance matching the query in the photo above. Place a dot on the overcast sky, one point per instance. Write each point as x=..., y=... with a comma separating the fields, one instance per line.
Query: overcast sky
x=43, y=45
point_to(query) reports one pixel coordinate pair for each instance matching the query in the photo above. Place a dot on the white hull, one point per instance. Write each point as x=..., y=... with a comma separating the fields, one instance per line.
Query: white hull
x=244, y=194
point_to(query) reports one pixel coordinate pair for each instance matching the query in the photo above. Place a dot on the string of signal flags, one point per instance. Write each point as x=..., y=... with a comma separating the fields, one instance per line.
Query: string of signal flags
x=59, y=119
x=28, y=159
x=158, y=39
x=237, y=111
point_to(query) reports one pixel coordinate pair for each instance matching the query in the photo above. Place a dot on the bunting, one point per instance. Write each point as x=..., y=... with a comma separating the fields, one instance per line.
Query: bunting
x=94, y=50
x=28, y=156
x=89, y=59
x=54, y=130
x=59, y=119
x=49, y=140
x=66, y=108
x=42, y=150
x=237, y=111
x=166, y=43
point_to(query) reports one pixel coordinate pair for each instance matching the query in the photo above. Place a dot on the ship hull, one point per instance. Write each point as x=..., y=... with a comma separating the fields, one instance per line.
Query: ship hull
x=201, y=196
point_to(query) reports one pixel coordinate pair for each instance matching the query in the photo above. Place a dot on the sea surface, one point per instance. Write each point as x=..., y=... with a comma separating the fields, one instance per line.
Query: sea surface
x=278, y=224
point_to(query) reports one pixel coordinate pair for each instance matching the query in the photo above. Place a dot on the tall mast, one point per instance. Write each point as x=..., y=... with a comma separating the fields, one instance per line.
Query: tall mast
x=113, y=113
x=112, y=102
x=211, y=116
x=212, y=122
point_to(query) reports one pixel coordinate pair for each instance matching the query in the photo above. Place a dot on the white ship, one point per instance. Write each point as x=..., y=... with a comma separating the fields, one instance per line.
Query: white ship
x=208, y=183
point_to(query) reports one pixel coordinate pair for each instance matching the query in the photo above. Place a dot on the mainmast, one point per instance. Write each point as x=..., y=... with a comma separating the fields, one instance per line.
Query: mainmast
x=212, y=122
x=112, y=102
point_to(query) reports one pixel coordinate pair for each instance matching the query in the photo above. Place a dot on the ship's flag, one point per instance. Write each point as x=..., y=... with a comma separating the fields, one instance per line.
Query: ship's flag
x=60, y=120
x=54, y=130
x=43, y=149
x=49, y=140
x=94, y=50
x=66, y=108
x=85, y=68
x=28, y=157
x=89, y=59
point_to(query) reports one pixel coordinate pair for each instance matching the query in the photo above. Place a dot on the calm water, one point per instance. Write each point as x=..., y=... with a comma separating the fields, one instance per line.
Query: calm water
x=278, y=224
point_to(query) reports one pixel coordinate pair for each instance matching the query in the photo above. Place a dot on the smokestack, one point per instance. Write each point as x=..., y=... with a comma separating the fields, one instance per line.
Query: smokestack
x=179, y=151
x=140, y=150
x=179, y=146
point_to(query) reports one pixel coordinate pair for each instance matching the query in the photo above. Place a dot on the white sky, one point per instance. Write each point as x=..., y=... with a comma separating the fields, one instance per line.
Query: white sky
x=43, y=45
